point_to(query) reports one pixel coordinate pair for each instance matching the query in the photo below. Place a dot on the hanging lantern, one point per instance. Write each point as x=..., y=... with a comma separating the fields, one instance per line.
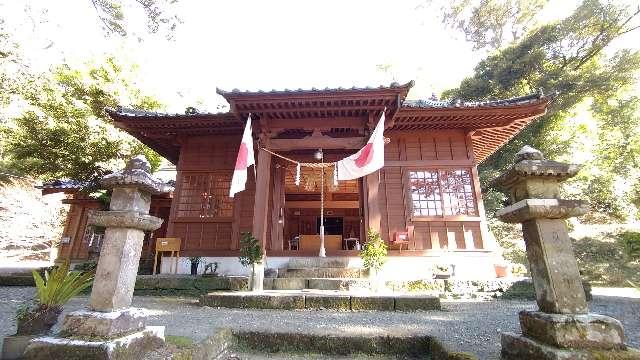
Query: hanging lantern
x=298, y=174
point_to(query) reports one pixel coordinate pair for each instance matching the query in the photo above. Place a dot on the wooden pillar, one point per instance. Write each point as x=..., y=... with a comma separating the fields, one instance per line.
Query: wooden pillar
x=475, y=177
x=277, y=210
x=373, y=201
x=261, y=204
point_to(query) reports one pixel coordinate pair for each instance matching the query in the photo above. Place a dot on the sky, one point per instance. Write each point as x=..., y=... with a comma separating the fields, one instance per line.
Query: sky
x=259, y=45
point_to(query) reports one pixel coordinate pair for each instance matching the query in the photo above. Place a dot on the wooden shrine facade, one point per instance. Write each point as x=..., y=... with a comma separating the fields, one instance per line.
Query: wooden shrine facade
x=81, y=242
x=429, y=186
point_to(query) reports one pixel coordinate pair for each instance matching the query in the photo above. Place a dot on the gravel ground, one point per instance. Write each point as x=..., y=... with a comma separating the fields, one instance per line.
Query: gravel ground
x=466, y=326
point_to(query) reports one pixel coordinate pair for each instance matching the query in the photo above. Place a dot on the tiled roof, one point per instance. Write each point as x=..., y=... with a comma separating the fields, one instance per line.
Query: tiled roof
x=62, y=185
x=393, y=85
x=456, y=103
x=191, y=112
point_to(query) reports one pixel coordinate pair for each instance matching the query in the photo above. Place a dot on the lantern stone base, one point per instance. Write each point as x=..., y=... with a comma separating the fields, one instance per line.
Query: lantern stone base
x=13, y=346
x=132, y=346
x=104, y=324
x=580, y=331
x=567, y=337
x=520, y=347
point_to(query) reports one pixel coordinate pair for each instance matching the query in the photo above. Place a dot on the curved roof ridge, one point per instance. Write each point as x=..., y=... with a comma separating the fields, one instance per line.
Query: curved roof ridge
x=393, y=85
x=127, y=111
x=453, y=103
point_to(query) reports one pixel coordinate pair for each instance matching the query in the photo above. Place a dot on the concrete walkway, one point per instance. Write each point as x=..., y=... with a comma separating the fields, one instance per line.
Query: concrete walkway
x=465, y=326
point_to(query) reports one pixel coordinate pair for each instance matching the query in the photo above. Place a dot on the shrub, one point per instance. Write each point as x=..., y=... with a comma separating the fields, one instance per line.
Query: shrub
x=250, y=250
x=631, y=244
x=60, y=285
x=87, y=266
x=52, y=292
x=250, y=253
x=374, y=252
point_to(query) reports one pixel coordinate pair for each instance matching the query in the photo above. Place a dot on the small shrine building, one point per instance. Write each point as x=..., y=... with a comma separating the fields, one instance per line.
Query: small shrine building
x=426, y=202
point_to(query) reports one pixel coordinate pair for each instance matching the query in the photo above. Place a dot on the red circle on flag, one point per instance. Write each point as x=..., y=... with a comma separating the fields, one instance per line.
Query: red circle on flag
x=365, y=157
x=241, y=160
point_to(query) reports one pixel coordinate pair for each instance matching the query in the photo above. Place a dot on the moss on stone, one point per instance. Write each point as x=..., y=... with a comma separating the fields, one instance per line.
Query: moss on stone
x=179, y=341
x=337, y=302
x=629, y=354
x=461, y=356
x=380, y=303
x=413, y=303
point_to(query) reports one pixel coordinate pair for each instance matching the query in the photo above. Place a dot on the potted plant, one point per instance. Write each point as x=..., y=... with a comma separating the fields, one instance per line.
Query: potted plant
x=518, y=270
x=374, y=255
x=195, y=261
x=251, y=254
x=502, y=270
x=52, y=291
x=442, y=271
x=211, y=269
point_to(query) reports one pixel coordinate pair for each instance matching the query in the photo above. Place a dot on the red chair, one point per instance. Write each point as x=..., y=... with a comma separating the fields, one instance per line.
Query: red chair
x=403, y=237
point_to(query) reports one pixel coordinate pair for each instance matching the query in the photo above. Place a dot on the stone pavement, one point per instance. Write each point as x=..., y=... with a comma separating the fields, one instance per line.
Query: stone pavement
x=466, y=326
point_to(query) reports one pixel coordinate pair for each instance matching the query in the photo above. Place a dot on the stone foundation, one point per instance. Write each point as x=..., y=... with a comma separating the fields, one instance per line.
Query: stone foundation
x=97, y=324
x=519, y=347
x=132, y=346
x=581, y=331
x=13, y=346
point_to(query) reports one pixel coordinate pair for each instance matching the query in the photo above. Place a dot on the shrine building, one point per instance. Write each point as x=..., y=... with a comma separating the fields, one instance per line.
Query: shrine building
x=425, y=202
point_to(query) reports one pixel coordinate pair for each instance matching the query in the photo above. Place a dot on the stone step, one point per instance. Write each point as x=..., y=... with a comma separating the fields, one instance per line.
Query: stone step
x=290, y=300
x=323, y=273
x=318, y=262
x=344, y=284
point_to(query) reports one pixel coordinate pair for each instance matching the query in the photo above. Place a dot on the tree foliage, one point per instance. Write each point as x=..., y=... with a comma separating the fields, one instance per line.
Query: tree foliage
x=64, y=131
x=374, y=252
x=113, y=15
x=250, y=250
x=565, y=58
x=491, y=23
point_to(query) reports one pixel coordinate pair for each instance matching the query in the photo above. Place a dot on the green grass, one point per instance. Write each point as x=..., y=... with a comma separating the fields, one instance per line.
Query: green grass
x=603, y=261
x=180, y=342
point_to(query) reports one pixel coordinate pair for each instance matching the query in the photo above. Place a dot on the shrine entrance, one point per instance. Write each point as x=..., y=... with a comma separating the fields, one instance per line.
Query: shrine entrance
x=300, y=210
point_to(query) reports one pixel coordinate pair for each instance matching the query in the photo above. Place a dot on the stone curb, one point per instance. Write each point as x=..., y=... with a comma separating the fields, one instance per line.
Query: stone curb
x=225, y=342
x=245, y=300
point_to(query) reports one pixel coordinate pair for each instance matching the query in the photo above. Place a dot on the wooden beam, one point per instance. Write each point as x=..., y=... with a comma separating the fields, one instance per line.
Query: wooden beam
x=317, y=123
x=260, y=206
x=427, y=163
x=373, y=201
x=277, y=210
x=317, y=140
x=316, y=204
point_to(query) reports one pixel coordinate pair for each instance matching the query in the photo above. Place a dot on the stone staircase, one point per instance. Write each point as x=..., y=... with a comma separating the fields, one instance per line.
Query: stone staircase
x=318, y=274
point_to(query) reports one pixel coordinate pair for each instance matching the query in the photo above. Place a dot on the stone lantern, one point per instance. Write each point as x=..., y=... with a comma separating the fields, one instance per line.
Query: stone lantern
x=115, y=330
x=563, y=328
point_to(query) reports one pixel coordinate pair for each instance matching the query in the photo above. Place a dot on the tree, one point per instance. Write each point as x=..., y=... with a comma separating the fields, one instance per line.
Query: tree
x=250, y=255
x=565, y=56
x=491, y=23
x=112, y=14
x=65, y=132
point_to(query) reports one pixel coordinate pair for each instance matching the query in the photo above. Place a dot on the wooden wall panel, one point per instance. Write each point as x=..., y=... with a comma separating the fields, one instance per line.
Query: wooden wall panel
x=206, y=236
x=426, y=145
x=417, y=149
x=395, y=208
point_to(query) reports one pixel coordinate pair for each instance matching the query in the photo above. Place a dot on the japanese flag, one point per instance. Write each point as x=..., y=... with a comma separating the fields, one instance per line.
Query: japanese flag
x=243, y=161
x=369, y=159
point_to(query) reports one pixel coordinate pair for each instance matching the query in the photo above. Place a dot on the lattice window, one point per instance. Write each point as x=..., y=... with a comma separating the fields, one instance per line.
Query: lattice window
x=442, y=192
x=205, y=196
x=425, y=193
